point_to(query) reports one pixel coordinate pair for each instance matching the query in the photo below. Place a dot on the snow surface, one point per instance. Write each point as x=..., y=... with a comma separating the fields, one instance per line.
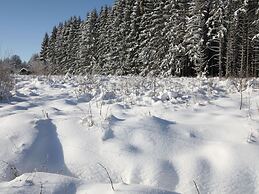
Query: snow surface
x=153, y=135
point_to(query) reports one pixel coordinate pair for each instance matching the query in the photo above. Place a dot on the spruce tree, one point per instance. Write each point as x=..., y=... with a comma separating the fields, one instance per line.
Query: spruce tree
x=133, y=41
x=217, y=30
x=118, y=46
x=59, y=57
x=88, y=47
x=255, y=45
x=176, y=61
x=195, y=37
x=102, y=42
x=44, y=49
x=52, y=47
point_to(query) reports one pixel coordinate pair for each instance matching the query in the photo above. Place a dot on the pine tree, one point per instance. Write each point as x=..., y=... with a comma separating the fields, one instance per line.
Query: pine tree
x=132, y=40
x=255, y=45
x=176, y=60
x=244, y=18
x=64, y=49
x=230, y=61
x=147, y=7
x=59, y=57
x=251, y=7
x=103, y=39
x=159, y=43
x=72, y=46
x=44, y=48
x=126, y=33
x=154, y=42
x=88, y=48
x=216, y=37
x=195, y=37
x=106, y=66
x=52, y=47
x=118, y=46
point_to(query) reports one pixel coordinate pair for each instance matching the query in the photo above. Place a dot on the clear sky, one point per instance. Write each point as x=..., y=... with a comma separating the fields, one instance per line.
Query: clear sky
x=23, y=23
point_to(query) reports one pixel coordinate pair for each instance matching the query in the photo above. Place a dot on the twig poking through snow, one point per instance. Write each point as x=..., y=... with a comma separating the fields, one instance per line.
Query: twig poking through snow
x=107, y=175
x=196, y=186
x=41, y=188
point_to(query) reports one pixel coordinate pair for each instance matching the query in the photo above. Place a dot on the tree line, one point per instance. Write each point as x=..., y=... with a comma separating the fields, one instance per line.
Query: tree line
x=12, y=63
x=165, y=37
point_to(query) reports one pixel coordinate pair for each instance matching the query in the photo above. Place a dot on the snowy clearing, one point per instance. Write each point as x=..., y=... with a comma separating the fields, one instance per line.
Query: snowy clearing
x=154, y=136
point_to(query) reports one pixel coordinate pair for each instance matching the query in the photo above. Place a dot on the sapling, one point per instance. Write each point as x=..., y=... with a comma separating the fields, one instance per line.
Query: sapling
x=240, y=86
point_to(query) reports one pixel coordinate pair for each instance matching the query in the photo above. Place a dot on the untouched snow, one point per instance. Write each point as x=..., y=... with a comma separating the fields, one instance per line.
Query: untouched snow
x=154, y=136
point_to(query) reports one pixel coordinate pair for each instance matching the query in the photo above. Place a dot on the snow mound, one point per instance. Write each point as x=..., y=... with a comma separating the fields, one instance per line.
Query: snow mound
x=57, y=184
x=153, y=136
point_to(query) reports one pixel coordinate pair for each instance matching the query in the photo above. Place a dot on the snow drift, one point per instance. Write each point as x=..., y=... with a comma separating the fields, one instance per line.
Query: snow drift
x=152, y=135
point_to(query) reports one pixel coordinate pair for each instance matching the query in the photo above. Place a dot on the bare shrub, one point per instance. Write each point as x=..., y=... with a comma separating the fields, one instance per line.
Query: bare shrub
x=39, y=68
x=6, y=82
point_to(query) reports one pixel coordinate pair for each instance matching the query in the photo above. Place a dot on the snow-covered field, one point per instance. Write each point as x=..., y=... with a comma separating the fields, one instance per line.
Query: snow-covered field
x=153, y=136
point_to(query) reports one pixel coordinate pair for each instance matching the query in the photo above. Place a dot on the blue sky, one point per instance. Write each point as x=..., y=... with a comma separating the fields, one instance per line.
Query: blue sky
x=23, y=23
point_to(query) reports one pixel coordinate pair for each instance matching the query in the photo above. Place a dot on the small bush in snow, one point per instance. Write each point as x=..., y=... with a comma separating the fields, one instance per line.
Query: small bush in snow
x=6, y=82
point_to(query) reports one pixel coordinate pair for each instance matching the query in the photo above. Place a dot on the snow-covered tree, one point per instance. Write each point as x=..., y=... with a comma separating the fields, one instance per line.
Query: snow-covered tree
x=103, y=43
x=217, y=30
x=195, y=37
x=176, y=60
x=44, y=48
x=51, y=57
x=88, y=47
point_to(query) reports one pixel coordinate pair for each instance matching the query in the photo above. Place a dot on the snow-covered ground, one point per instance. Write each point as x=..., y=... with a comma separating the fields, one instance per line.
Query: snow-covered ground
x=154, y=136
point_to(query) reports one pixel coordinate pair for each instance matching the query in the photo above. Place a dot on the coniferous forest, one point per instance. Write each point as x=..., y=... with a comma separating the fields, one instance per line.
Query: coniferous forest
x=165, y=37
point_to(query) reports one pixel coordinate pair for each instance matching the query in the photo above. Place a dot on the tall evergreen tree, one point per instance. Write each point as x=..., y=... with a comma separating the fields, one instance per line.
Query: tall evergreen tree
x=88, y=47
x=176, y=60
x=59, y=57
x=255, y=45
x=217, y=30
x=44, y=48
x=52, y=55
x=102, y=42
x=132, y=39
x=118, y=46
x=195, y=40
